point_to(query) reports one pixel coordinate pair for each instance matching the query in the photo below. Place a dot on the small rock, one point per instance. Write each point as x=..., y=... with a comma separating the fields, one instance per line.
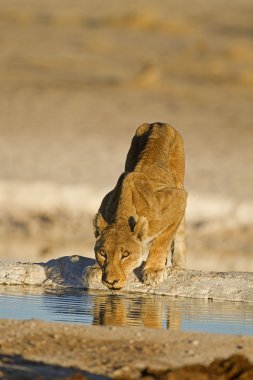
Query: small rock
x=125, y=373
x=74, y=258
x=189, y=352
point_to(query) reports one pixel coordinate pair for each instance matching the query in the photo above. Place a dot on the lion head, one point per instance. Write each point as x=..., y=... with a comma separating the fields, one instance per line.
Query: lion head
x=118, y=248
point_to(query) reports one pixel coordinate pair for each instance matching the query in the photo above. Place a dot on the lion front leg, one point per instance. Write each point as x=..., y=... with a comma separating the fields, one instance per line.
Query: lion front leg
x=155, y=270
x=178, y=257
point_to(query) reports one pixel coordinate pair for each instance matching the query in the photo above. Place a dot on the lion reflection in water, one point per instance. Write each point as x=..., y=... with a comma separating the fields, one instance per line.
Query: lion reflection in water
x=114, y=310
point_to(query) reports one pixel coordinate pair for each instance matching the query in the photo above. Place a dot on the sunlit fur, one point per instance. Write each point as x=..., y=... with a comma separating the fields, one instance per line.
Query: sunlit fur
x=145, y=209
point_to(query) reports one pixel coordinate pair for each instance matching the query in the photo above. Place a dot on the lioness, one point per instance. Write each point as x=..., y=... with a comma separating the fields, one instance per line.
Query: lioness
x=143, y=217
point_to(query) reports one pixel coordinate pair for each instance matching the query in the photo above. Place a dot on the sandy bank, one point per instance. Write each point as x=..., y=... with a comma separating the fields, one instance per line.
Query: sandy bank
x=32, y=348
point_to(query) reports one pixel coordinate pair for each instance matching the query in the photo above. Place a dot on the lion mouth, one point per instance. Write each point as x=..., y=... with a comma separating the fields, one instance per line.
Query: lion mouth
x=114, y=289
x=112, y=286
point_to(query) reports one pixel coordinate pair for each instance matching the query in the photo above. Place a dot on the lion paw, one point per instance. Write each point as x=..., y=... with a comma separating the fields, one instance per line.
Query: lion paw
x=92, y=275
x=154, y=277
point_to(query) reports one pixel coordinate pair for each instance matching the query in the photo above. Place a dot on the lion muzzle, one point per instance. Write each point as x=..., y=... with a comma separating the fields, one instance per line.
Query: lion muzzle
x=113, y=277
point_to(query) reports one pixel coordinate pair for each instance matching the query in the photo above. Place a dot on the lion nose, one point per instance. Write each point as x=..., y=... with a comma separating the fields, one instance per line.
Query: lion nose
x=111, y=282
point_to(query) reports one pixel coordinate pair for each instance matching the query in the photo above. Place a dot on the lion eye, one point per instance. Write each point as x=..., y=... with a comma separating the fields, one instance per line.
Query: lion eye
x=125, y=254
x=102, y=253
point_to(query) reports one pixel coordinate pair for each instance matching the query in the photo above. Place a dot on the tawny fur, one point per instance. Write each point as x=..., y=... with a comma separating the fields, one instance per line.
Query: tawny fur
x=145, y=211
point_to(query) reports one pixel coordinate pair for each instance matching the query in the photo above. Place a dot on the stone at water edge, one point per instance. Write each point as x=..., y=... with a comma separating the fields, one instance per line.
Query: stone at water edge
x=22, y=274
x=69, y=272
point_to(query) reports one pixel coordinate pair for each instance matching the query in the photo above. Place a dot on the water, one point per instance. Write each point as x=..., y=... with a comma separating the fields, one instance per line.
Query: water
x=103, y=308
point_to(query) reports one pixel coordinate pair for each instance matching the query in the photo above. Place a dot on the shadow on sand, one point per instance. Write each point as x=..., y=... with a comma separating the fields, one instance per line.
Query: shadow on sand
x=235, y=367
x=13, y=367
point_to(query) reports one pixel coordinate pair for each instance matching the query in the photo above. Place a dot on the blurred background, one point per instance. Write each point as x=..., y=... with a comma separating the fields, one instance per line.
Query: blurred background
x=78, y=77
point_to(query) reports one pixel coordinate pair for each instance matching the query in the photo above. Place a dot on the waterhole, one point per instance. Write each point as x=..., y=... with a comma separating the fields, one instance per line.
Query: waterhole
x=103, y=308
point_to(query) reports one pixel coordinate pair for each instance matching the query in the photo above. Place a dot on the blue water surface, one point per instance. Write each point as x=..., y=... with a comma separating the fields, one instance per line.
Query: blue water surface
x=104, y=308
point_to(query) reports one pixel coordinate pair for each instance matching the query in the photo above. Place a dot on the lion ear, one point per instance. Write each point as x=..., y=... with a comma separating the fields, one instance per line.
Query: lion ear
x=99, y=224
x=132, y=223
x=141, y=228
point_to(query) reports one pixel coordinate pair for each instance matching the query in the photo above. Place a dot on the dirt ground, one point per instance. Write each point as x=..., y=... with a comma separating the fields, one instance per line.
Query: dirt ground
x=76, y=81
x=77, y=78
x=39, y=350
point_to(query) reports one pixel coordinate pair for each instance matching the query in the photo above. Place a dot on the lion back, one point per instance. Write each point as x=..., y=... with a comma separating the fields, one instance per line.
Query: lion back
x=155, y=140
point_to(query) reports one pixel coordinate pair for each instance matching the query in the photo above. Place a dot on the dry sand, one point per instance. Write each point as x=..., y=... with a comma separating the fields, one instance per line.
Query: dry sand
x=37, y=350
x=77, y=79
